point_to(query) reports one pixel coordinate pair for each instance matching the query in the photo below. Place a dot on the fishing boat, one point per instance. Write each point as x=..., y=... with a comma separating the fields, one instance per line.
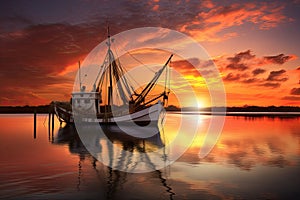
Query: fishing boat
x=98, y=105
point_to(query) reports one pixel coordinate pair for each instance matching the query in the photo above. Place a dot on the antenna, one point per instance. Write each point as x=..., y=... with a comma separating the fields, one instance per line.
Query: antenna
x=108, y=36
x=108, y=33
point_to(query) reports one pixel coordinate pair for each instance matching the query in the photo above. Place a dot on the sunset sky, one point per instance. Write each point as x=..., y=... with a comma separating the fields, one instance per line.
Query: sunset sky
x=254, y=44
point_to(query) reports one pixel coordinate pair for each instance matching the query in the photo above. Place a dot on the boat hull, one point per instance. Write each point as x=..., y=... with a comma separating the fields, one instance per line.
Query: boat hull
x=144, y=117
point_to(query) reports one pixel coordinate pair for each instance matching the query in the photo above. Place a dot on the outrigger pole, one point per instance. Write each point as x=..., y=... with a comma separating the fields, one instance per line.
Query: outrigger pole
x=141, y=97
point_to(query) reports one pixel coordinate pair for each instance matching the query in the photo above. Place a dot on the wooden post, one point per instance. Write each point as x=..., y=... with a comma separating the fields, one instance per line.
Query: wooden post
x=34, y=124
x=49, y=123
x=52, y=126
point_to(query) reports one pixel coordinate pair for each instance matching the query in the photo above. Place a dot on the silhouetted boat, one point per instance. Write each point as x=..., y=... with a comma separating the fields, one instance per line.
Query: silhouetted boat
x=138, y=107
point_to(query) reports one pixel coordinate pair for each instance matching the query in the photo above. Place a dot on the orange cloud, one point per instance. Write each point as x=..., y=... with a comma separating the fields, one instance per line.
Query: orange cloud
x=208, y=25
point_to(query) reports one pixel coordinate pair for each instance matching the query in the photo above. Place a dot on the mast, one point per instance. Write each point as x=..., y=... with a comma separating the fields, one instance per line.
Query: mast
x=109, y=101
x=111, y=75
x=167, y=81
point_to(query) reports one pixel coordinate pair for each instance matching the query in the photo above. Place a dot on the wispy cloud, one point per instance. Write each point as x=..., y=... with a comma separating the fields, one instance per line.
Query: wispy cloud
x=232, y=77
x=209, y=24
x=291, y=98
x=271, y=85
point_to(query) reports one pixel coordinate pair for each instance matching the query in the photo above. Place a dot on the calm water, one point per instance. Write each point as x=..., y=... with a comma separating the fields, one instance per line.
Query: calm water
x=254, y=158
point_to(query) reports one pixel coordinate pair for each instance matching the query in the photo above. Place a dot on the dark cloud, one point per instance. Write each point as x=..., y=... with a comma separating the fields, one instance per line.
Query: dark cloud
x=277, y=76
x=46, y=48
x=295, y=91
x=236, y=62
x=251, y=80
x=245, y=55
x=34, y=57
x=242, y=78
x=246, y=60
x=278, y=59
x=271, y=85
x=237, y=66
x=232, y=77
x=14, y=22
x=258, y=71
x=273, y=80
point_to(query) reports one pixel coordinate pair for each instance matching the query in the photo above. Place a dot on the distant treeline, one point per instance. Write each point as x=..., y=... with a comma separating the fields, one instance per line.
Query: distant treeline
x=264, y=109
x=49, y=108
x=26, y=109
x=239, y=109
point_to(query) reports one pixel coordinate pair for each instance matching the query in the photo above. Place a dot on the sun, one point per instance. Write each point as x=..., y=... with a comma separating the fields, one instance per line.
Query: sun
x=200, y=104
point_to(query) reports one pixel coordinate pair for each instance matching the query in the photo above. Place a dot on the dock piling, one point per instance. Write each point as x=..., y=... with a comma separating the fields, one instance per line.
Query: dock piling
x=34, y=124
x=49, y=123
x=52, y=126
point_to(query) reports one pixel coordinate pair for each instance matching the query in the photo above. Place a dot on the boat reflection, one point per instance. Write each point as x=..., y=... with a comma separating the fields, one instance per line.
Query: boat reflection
x=68, y=135
x=112, y=179
x=113, y=134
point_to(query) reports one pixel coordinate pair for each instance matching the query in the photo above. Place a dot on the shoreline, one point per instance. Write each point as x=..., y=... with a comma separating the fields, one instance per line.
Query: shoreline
x=241, y=114
x=44, y=109
x=230, y=111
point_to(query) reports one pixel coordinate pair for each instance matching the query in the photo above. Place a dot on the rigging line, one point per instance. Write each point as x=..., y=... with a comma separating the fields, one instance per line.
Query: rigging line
x=141, y=62
x=118, y=81
x=151, y=84
x=166, y=77
x=126, y=82
x=169, y=76
x=115, y=50
x=104, y=71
